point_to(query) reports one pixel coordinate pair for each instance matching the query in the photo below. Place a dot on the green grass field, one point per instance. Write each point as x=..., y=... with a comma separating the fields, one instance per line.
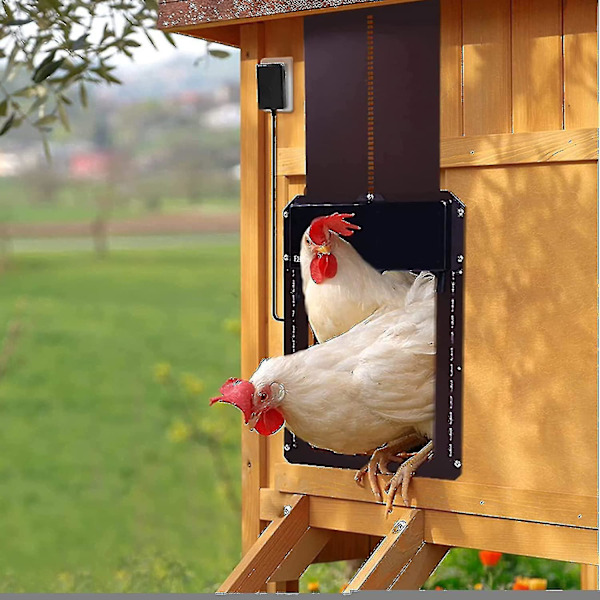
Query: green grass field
x=106, y=481
x=77, y=202
x=94, y=496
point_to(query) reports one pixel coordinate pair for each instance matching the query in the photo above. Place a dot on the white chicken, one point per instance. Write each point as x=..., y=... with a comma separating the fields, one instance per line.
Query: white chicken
x=340, y=288
x=370, y=390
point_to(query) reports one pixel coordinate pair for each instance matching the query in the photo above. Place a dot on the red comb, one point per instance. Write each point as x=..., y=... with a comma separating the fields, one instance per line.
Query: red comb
x=335, y=222
x=239, y=393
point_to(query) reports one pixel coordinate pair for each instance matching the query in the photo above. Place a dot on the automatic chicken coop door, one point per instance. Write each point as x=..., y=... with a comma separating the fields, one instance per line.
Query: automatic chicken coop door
x=372, y=133
x=399, y=236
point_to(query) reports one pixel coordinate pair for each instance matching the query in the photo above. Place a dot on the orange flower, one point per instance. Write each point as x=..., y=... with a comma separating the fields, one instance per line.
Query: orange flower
x=488, y=558
x=438, y=588
x=343, y=588
x=313, y=587
x=520, y=585
x=478, y=586
x=536, y=583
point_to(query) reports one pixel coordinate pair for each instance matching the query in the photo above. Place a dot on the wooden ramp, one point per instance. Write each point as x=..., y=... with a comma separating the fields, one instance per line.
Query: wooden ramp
x=402, y=560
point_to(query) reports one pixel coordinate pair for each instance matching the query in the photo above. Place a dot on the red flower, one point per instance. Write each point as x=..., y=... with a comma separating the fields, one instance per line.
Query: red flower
x=488, y=558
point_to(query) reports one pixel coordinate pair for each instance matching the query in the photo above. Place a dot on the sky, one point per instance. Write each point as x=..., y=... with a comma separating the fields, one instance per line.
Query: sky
x=146, y=54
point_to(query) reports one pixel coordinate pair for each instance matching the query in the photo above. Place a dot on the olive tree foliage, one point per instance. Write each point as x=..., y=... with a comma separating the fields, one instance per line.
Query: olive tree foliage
x=51, y=51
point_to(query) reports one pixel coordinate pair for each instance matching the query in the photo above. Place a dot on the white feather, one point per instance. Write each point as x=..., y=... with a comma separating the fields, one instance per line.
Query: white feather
x=365, y=387
x=356, y=291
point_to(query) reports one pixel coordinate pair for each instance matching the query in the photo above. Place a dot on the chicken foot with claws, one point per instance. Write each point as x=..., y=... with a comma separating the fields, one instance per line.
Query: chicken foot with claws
x=397, y=449
x=404, y=474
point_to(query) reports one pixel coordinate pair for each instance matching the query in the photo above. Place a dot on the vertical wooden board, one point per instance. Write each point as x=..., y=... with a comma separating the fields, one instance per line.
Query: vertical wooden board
x=589, y=577
x=253, y=261
x=487, y=68
x=286, y=38
x=537, y=89
x=581, y=63
x=451, y=124
x=530, y=394
x=283, y=38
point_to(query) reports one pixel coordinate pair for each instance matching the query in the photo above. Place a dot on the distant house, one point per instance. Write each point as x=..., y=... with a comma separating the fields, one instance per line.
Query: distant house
x=18, y=161
x=91, y=164
x=226, y=116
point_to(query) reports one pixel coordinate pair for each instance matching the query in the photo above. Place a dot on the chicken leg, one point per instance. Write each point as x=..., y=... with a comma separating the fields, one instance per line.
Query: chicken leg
x=404, y=474
x=382, y=456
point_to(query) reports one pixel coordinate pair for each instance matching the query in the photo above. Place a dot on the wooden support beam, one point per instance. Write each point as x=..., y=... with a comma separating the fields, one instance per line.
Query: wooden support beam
x=420, y=567
x=302, y=555
x=589, y=577
x=511, y=536
x=269, y=550
x=344, y=545
x=390, y=557
x=254, y=297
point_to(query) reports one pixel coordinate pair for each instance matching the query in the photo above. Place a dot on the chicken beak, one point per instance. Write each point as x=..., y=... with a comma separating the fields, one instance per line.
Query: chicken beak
x=324, y=249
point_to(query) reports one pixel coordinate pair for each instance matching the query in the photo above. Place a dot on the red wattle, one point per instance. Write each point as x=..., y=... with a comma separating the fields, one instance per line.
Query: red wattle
x=269, y=422
x=323, y=267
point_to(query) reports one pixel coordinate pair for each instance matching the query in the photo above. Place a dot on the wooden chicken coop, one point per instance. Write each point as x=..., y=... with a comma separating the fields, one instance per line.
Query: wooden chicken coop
x=516, y=117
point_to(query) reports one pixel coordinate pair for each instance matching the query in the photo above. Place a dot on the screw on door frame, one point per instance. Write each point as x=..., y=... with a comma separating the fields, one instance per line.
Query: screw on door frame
x=399, y=526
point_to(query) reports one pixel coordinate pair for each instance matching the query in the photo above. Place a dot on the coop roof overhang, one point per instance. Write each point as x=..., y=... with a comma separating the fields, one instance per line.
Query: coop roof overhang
x=219, y=20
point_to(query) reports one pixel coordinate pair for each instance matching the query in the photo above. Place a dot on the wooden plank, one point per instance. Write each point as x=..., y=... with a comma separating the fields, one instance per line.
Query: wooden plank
x=283, y=587
x=580, y=63
x=512, y=536
x=537, y=69
x=337, y=515
x=520, y=148
x=302, y=555
x=181, y=15
x=555, y=542
x=269, y=550
x=345, y=546
x=589, y=577
x=254, y=300
x=453, y=496
x=387, y=560
x=291, y=160
x=486, y=150
x=530, y=339
x=422, y=565
x=284, y=38
x=451, y=109
x=487, y=68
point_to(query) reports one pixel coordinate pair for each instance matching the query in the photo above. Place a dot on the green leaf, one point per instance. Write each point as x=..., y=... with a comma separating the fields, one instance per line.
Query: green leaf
x=11, y=62
x=46, y=120
x=218, y=53
x=18, y=22
x=44, y=71
x=83, y=97
x=170, y=39
x=30, y=91
x=64, y=117
x=8, y=10
x=79, y=43
x=3, y=107
x=8, y=123
x=47, y=149
x=49, y=58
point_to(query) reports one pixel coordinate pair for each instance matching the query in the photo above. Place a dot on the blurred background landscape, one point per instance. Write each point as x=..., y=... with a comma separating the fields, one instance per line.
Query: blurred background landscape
x=119, y=318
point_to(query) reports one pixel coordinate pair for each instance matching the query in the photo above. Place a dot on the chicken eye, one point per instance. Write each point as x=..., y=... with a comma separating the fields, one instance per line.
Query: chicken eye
x=262, y=395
